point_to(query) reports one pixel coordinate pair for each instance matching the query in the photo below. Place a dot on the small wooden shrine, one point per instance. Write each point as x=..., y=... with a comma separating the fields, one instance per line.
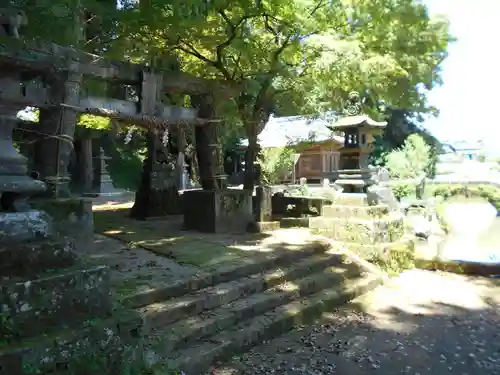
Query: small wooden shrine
x=359, y=130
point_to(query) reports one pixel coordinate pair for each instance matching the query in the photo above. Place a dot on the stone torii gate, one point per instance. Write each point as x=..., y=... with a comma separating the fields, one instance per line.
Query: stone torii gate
x=49, y=77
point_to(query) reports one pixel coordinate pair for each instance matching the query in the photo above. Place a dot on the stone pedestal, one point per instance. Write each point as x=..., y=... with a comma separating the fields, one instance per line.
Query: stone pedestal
x=354, y=180
x=217, y=211
x=157, y=194
x=263, y=204
x=373, y=231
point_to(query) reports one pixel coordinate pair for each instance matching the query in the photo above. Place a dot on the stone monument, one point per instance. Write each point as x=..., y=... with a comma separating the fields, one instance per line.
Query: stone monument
x=44, y=290
x=363, y=216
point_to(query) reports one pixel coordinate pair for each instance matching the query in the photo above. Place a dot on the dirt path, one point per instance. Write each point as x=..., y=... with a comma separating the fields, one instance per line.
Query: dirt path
x=419, y=323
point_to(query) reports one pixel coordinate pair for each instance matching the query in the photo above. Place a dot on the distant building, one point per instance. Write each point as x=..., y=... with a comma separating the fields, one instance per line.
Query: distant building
x=464, y=149
x=317, y=145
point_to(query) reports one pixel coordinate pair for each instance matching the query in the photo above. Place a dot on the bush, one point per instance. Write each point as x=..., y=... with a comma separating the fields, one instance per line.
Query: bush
x=276, y=163
x=412, y=160
x=487, y=192
x=403, y=190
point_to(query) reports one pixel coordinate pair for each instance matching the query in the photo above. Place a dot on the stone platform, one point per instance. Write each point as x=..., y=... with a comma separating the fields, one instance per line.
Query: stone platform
x=217, y=211
x=369, y=230
x=56, y=311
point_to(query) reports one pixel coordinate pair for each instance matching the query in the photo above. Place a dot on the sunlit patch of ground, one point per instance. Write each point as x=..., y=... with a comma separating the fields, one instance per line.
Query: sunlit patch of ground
x=166, y=237
x=419, y=323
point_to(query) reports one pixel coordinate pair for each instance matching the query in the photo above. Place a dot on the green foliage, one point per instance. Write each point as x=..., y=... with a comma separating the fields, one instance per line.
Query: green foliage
x=276, y=163
x=125, y=165
x=94, y=122
x=396, y=260
x=401, y=124
x=487, y=192
x=410, y=161
x=403, y=190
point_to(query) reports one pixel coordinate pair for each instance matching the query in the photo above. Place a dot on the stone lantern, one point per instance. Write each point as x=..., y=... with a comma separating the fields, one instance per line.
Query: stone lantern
x=354, y=175
x=15, y=184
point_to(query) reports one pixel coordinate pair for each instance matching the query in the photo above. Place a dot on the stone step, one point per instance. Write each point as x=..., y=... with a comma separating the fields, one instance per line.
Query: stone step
x=198, y=358
x=168, y=338
x=369, y=253
x=361, y=231
x=272, y=259
x=352, y=211
x=166, y=312
x=32, y=307
x=356, y=199
x=105, y=346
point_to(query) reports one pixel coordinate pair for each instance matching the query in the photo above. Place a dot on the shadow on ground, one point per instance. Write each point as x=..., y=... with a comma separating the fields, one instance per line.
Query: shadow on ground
x=420, y=323
x=167, y=238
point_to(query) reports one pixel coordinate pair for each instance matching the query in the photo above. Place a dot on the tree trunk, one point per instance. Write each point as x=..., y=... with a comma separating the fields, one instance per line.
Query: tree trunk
x=250, y=158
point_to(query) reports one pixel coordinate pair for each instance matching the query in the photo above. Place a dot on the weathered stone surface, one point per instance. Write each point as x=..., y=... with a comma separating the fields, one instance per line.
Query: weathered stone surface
x=294, y=222
x=356, y=199
x=263, y=203
x=217, y=211
x=197, y=326
x=263, y=226
x=297, y=206
x=359, y=212
x=32, y=307
x=378, y=194
x=72, y=218
x=269, y=325
x=362, y=231
x=159, y=314
x=35, y=256
x=23, y=226
x=373, y=252
x=110, y=346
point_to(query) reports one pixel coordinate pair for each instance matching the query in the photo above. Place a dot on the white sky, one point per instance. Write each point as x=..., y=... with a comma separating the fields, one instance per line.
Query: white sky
x=467, y=100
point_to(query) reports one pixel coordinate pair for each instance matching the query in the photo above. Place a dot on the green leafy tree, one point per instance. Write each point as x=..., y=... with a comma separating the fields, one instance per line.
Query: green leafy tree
x=276, y=164
x=294, y=56
x=283, y=57
x=412, y=160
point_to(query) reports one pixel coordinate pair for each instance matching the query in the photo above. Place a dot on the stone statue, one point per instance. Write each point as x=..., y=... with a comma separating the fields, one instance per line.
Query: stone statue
x=380, y=194
x=420, y=188
x=11, y=20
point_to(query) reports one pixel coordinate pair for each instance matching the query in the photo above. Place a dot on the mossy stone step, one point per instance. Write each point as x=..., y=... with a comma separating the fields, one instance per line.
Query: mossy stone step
x=185, y=331
x=352, y=211
x=272, y=259
x=63, y=298
x=197, y=359
x=362, y=231
x=163, y=313
x=106, y=346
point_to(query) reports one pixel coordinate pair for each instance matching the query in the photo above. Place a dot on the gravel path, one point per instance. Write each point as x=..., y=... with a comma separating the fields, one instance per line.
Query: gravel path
x=419, y=323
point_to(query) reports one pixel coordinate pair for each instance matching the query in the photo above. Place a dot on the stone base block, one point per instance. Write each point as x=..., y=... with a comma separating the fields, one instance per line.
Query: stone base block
x=356, y=199
x=32, y=307
x=381, y=250
x=72, y=218
x=294, y=222
x=362, y=231
x=263, y=226
x=217, y=211
x=33, y=257
x=157, y=203
x=111, y=346
x=18, y=227
x=359, y=212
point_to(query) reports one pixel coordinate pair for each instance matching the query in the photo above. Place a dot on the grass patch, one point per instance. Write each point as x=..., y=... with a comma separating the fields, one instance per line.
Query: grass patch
x=156, y=237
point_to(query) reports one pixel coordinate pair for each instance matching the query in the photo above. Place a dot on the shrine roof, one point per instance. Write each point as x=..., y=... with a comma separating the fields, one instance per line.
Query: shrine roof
x=283, y=131
x=358, y=120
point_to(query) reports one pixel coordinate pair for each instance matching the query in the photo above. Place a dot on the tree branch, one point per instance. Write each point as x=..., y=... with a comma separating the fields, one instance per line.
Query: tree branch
x=315, y=9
